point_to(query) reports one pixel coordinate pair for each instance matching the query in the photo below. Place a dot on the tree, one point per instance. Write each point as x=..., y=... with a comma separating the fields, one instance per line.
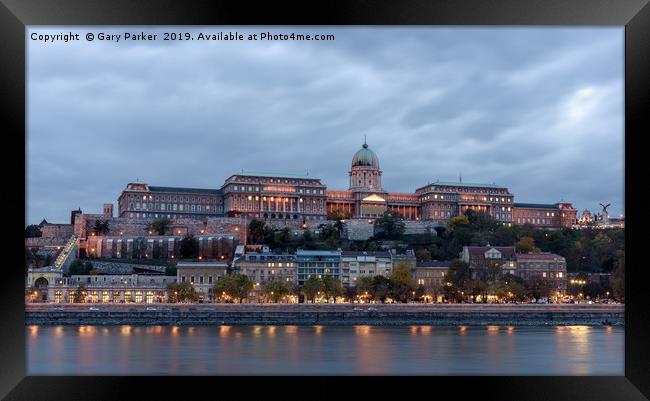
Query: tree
x=482, y=222
x=189, y=247
x=423, y=255
x=457, y=221
x=160, y=226
x=101, y=227
x=526, y=244
x=78, y=267
x=459, y=274
x=257, y=231
x=617, y=280
x=275, y=289
x=170, y=270
x=237, y=286
x=311, y=287
x=337, y=215
x=402, y=283
x=182, y=292
x=332, y=287
x=32, y=231
x=390, y=226
x=331, y=235
x=80, y=294
x=307, y=240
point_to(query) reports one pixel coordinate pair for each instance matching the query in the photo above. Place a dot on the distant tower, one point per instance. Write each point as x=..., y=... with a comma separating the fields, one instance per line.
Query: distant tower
x=74, y=214
x=108, y=210
x=365, y=173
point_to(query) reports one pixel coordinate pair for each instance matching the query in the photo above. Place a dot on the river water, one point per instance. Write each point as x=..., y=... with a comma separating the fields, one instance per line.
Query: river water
x=326, y=350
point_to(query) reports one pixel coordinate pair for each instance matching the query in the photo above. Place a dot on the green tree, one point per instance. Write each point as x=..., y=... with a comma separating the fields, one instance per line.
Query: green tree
x=526, y=244
x=459, y=274
x=275, y=289
x=80, y=294
x=402, y=283
x=332, y=287
x=257, y=231
x=423, y=255
x=311, y=287
x=482, y=222
x=170, y=270
x=32, y=231
x=237, y=286
x=189, y=247
x=182, y=292
x=78, y=267
x=617, y=280
x=307, y=240
x=390, y=226
x=457, y=221
x=337, y=215
x=101, y=227
x=160, y=226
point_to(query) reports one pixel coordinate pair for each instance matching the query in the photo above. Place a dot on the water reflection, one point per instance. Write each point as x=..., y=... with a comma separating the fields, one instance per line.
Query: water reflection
x=160, y=350
x=363, y=331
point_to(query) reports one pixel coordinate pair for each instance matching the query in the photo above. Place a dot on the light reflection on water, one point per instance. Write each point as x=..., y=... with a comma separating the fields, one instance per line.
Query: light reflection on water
x=363, y=349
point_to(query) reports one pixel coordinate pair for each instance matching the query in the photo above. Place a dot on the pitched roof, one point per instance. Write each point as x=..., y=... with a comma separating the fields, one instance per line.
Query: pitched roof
x=538, y=256
x=197, y=191
x=479, y=251
x=378, y=254
x=433, y=263
x=275, y=175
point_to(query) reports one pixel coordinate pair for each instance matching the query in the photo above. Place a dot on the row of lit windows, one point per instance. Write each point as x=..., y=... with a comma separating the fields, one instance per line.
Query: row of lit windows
x=156, y=215
x=117, y=297
x=533, y=221
x=173, y=198
x=468, y=189
x=171, y=207
x=202, y=279
x=277, y=189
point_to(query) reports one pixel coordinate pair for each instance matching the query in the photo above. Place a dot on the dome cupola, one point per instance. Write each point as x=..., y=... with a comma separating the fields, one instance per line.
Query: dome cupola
x=365, y=157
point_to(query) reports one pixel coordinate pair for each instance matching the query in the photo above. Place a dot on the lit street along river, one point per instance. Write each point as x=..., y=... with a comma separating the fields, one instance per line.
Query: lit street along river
x=228, y=350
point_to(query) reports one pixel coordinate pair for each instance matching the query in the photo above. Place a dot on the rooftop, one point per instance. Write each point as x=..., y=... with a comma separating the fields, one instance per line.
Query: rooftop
x=434, y=263
x=275, y=175
x=539, y=256
x=198, y=191
x=306, y=252
x=377, y=254
x=507, y=251
x=466, y=184
x=536, y=205
x=202, y=265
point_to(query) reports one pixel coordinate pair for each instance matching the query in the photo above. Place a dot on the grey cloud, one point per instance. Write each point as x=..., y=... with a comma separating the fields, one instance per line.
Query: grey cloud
x=499, y=104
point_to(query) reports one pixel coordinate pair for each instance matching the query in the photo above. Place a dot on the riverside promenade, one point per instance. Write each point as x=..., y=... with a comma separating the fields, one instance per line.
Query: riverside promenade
x=325, y=314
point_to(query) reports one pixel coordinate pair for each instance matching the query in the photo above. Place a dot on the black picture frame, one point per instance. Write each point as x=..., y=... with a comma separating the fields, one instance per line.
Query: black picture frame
x=15, y=15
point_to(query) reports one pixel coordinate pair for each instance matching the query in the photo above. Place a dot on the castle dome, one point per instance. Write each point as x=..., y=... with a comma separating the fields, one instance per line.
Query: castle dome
x=365, y=157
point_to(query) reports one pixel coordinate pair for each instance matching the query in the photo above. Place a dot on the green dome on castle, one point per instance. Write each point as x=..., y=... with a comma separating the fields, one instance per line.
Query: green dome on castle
x=365, y=157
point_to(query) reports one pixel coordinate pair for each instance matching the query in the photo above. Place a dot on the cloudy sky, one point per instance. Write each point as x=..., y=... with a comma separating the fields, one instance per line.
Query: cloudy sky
x=539, y=110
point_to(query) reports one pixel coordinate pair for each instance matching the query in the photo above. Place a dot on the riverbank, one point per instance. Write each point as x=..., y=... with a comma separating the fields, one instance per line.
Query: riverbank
x=324, y=314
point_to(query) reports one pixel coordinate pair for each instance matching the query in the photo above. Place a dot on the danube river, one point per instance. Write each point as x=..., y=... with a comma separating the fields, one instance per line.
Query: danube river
x=327, y=350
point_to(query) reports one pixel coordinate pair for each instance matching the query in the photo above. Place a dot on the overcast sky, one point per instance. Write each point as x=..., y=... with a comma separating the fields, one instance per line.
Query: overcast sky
x=538, y=110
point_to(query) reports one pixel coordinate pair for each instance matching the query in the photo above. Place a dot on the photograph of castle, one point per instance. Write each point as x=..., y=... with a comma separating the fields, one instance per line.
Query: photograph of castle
x=412, y=186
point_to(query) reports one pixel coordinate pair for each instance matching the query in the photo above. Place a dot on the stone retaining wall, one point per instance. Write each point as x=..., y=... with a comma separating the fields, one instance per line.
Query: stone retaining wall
x=325, y=317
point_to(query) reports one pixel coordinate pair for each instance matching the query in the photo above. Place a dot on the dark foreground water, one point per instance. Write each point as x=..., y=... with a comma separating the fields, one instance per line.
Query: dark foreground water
x=228, y=350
